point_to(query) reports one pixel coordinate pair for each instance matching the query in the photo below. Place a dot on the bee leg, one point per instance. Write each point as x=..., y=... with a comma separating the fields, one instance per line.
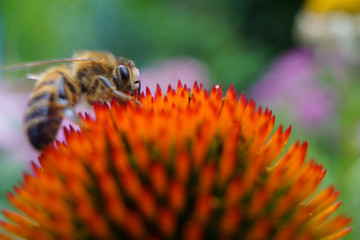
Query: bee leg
x=139, y=88
x=63, y=102
x=109, y=85
x=70, y=113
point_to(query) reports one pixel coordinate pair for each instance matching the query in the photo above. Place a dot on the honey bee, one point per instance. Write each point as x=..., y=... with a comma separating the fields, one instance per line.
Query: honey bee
x=92, y=75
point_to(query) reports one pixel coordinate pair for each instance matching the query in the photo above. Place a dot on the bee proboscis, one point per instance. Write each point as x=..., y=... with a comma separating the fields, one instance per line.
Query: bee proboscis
x=92, y=75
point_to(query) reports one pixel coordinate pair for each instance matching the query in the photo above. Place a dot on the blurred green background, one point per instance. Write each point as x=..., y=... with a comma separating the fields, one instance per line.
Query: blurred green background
x=238, y=41
x=233, y=38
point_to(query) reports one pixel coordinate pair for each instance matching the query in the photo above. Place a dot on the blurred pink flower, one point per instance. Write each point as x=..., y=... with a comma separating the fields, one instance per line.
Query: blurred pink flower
x=13, y=140
x=292, y=84
x=168, y=72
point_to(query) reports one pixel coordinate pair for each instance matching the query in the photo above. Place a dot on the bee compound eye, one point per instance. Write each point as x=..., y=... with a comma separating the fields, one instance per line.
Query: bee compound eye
x=123, y=72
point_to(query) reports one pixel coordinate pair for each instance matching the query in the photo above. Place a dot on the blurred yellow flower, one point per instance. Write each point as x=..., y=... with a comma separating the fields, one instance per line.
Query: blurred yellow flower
x=190, y=165
x=325, y=6
x=331, y=27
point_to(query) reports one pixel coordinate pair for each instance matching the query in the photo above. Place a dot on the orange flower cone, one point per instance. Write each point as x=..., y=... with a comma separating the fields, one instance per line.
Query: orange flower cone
x=190, y=165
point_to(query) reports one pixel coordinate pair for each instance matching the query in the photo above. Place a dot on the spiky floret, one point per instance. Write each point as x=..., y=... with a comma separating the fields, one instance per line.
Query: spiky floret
x=190, y=165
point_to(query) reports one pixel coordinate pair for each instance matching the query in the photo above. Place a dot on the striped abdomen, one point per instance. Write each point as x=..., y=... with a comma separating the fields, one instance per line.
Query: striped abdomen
x=43, y=115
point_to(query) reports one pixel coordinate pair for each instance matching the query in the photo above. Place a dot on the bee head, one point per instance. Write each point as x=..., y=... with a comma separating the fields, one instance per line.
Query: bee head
x=126, y=75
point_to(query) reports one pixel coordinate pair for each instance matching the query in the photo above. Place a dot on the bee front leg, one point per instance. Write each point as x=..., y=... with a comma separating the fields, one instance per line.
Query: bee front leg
x=139, y=88
x=110, y=86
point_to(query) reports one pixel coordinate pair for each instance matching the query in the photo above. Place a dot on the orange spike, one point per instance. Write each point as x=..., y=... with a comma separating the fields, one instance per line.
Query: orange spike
x=148, y=100
x=166, y=222
x=158, y=178
x=17, y=218
x=230, y=98
x=331, y=226
x=274, y=181
x=179, y=87
x=201, y=87
x=230, y=221
x=158, y=93
x=307, y=181
x=13, y=229
x=275, y=145
x=285, y=203
x=252, y=173
x=203, y=208
x=322, y=200
x=147, y=204
x=260, y=198
x=231, y=88
x=339, y=234
x=4, y=237
x=196, y=87
x=260, y=230
x=293, y=161
x=148, y=92
x=234, y=192
x=169, y=90
x=287, y=232
x=240, y=108
x=131, y=184
x=318, y=219
x=260, y=138
x=177, y=196
x=23, y=207
x=206, y=94
x=136, y=95
x=23, y=232
x=94, y=221
x=228, y=160
x=215, y=93
x=116, y=209
x=206, y=178
x=193, y=231
x=182, y=167
x=134, y=226
x=36, y=171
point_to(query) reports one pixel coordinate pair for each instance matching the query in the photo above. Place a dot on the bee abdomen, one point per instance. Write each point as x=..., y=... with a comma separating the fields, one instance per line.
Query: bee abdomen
x=42, y=120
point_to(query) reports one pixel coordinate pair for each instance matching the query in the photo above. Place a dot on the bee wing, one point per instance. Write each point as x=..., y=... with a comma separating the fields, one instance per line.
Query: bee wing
x=39, y=63
x=32, y=77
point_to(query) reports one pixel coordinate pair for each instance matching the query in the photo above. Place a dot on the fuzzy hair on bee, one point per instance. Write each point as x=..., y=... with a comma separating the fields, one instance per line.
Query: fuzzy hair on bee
x=96, y=76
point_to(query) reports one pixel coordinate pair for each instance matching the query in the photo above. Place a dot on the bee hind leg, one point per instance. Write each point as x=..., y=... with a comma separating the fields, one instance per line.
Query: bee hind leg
x=63, y=103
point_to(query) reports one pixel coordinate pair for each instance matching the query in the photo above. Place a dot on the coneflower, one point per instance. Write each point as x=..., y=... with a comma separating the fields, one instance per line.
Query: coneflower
x=190, y=165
